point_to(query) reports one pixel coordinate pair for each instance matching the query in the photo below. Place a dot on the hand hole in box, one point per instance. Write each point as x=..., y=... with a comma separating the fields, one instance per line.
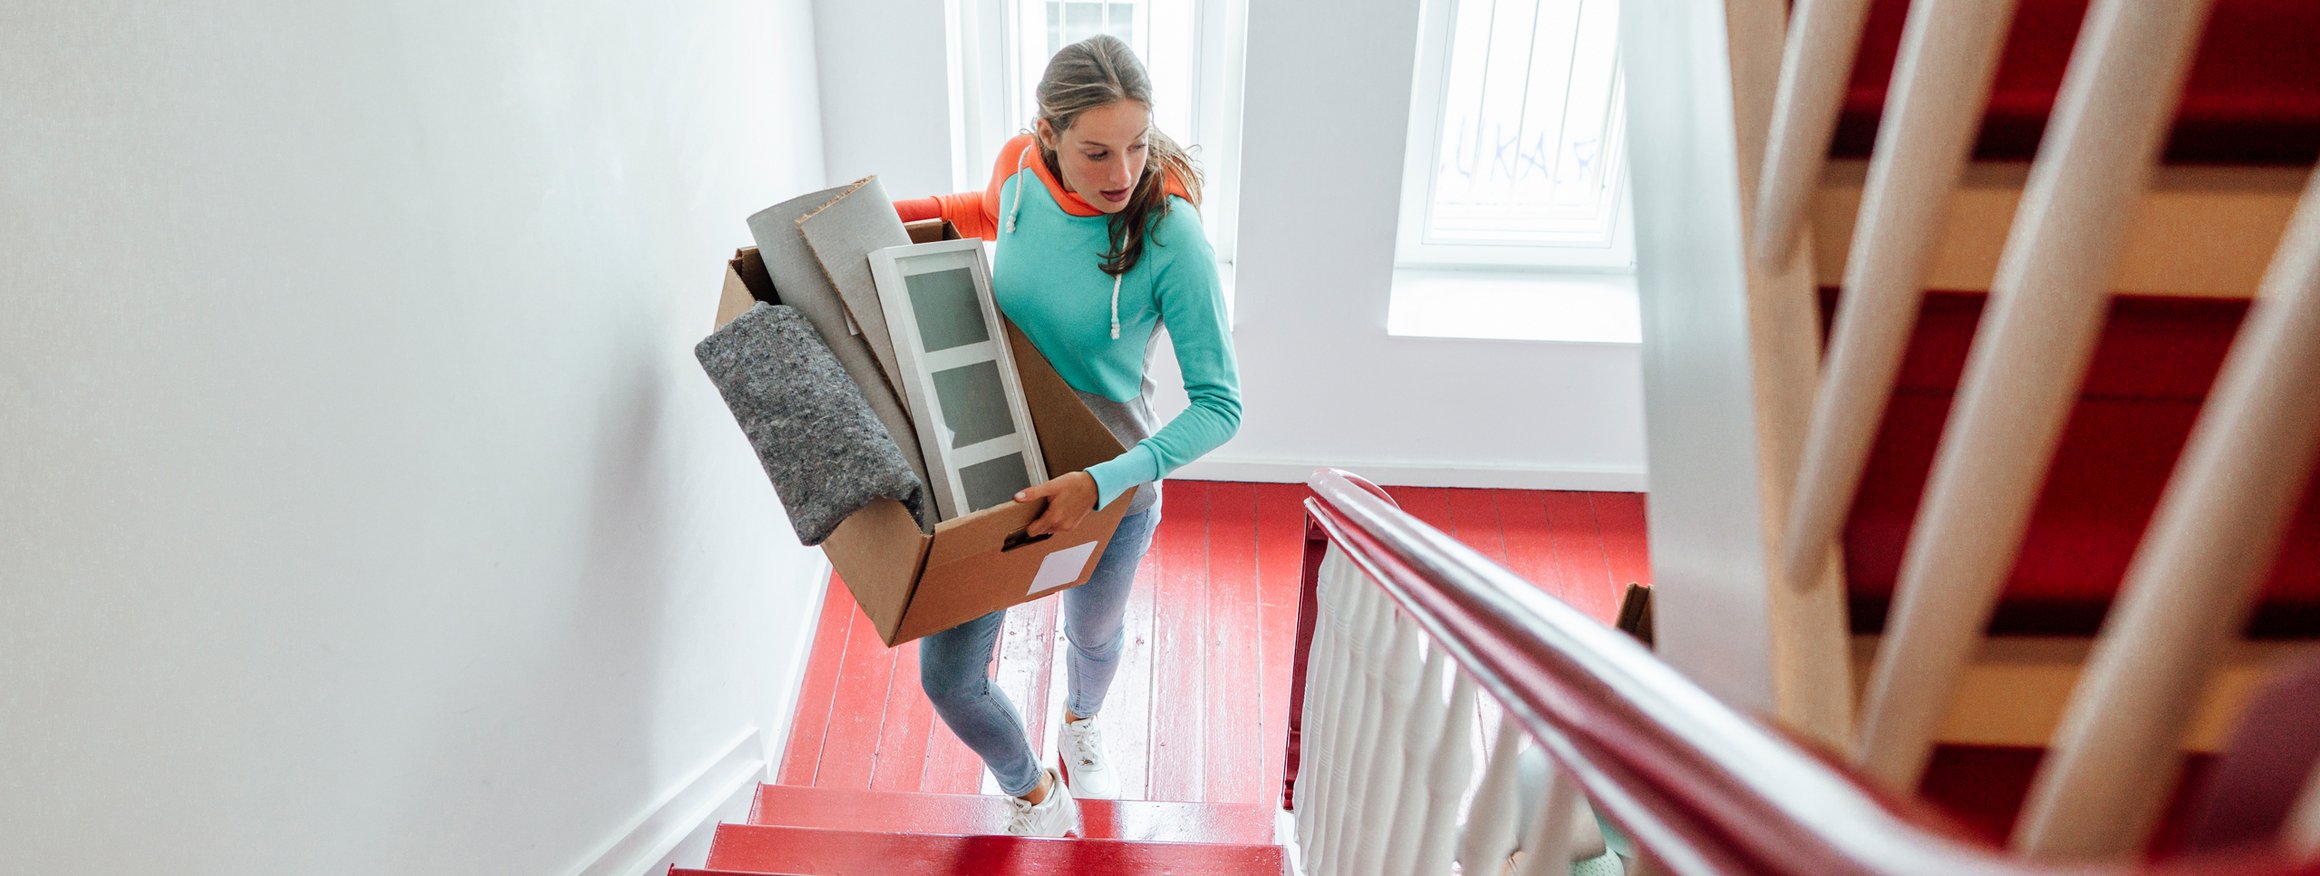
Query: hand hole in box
x=1022, y=537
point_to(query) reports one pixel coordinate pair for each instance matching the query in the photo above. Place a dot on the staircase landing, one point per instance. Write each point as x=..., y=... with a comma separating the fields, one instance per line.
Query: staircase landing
x=1198, y=710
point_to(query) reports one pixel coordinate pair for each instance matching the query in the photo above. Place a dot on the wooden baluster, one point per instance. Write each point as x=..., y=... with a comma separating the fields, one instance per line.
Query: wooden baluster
x=1489, y=834
x=2193, y=581
x=1344, y=707
x=1323, y=662
x=1369, y=693
x=1806, y=643
x=2028, y=357
x=1941, y=85
x=1447, y=772
x=1547, y=848
x=1375, y=805
x=1421, y=738
x=1814, y=70
x=2302, y=832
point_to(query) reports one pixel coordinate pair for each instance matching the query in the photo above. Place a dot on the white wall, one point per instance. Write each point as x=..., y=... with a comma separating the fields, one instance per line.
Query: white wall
x=1327, y=109
x=885, y=94
x=1324, y=121
x=364, y=510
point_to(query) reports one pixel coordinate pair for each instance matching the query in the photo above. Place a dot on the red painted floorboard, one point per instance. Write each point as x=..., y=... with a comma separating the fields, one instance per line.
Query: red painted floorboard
x=901, y=755
x=1619, y=518
x=1474, y=520
x=1178, y=768
x=1234, y=692
x=967, y=814
x=818, y=694
x=1577, y=543
x=754, y=848
x=1430, y=504
x=1127, y=714
x=849, y=752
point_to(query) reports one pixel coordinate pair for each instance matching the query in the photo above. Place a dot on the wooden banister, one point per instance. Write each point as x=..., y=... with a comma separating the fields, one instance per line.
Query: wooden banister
x=1700, y=787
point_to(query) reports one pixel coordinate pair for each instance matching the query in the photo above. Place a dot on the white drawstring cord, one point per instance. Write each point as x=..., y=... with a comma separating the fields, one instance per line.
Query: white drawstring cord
x=1018, y=210
x=1115, y=307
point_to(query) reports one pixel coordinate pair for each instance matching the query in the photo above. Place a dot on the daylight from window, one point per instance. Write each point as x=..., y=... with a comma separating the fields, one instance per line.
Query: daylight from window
x=1160, y=32
x=1526, y=110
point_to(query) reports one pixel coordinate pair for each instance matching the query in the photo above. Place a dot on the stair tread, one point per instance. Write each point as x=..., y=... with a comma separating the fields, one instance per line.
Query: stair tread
x=969, y=814
x=752, y=848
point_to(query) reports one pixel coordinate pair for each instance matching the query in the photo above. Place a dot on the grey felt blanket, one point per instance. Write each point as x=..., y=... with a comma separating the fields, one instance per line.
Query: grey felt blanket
x=824, y=449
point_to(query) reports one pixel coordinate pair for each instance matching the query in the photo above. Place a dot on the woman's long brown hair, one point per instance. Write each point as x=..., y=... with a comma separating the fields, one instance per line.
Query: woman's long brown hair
x=1099, y=71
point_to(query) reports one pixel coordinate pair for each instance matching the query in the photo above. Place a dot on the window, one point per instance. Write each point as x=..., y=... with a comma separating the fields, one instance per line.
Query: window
x=1191, y=48
x=974, y=425
x=1517, y=158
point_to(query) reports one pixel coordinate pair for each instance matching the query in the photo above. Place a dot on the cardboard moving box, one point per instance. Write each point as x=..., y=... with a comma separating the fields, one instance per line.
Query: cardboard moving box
x=909, y=583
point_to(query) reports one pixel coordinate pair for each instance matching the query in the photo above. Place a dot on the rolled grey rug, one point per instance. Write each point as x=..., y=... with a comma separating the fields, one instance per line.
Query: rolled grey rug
x=820, y=443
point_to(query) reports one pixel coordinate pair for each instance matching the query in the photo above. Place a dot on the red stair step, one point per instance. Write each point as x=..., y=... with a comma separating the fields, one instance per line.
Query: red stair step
x=752, y=848
x=967, y=814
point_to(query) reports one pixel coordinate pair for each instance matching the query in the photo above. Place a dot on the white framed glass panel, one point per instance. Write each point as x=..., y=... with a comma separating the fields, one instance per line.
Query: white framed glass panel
x=974, y=425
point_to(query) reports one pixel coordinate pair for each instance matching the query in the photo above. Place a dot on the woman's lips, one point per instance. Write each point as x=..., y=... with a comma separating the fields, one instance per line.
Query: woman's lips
x=1115, y=195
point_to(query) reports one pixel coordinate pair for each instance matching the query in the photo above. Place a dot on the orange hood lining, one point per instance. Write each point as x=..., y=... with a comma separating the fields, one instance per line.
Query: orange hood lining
x=1023, y=150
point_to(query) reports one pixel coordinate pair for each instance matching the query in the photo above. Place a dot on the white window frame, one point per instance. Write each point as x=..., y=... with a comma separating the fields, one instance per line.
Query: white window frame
x=1428, y=110
x=892, y=267
x=988, y=70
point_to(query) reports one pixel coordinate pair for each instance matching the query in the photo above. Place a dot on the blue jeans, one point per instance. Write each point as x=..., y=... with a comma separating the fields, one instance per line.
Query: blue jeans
x=954, y=665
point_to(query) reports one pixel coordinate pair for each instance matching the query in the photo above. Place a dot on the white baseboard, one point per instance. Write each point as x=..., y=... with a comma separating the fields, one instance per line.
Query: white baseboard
x=1608, y=480
x=670, y=830
x=1285, y=835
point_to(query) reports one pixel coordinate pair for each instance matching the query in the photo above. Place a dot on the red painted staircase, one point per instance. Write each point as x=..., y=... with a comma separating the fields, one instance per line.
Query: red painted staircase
x=801, y=830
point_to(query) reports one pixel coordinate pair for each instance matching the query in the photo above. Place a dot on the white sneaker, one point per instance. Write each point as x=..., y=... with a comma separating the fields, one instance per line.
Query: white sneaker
x=1084, y=764
x=1058, y=815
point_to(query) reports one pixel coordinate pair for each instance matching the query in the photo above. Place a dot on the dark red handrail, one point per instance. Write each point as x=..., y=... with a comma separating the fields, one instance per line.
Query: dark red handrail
x=1705, y=788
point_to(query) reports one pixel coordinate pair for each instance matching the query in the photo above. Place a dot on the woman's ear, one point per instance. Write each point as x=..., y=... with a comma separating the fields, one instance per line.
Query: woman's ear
x=1045, y=133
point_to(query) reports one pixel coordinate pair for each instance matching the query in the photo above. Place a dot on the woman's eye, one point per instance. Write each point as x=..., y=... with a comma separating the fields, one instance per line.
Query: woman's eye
x=1097, y=156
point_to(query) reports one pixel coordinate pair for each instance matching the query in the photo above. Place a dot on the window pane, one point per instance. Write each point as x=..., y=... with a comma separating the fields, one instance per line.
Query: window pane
x=974, y=403
x=1168, y=60
x=1529, y=122
x=1080, y=21
x=948, y=313
x=992, y=483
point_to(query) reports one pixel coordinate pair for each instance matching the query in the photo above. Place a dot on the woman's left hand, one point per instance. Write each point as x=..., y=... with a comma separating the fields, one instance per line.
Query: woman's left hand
x=1069, y=500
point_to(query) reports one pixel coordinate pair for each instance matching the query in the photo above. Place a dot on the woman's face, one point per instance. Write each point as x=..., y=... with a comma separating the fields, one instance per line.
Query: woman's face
x=1102, y=153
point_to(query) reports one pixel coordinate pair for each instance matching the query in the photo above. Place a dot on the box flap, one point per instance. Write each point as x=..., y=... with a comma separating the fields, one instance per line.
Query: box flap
x=750, y=267
x=740, y=294
x=878, y=552
x=1070, y=436
x=931, y=230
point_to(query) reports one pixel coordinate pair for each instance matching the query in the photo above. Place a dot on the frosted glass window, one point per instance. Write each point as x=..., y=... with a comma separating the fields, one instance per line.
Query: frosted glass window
x=948, y=315
x=995, y=482
x=974, y=425
x=1517, y=143
x=974, y=403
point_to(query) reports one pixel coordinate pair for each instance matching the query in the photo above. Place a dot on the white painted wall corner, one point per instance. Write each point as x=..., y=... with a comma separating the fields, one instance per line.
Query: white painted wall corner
x=676, y=829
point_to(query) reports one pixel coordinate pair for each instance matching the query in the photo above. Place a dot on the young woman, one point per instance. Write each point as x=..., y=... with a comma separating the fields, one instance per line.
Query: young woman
x=1096, y=245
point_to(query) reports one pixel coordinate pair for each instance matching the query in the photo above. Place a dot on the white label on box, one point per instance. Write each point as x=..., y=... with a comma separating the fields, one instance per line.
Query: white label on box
x=1063, y=567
